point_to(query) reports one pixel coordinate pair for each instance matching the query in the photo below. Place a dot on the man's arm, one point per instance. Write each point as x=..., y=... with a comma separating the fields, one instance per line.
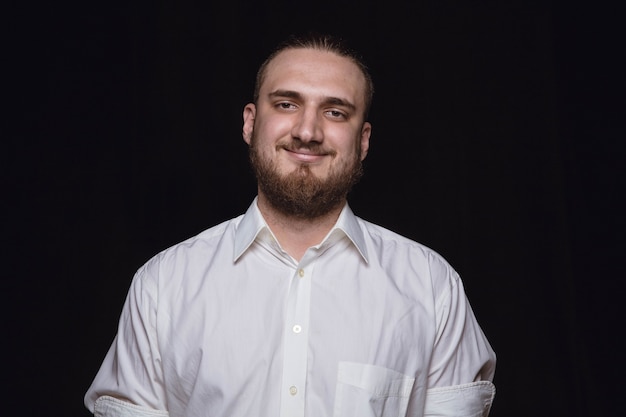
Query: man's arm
x=129, y=381
x=463, y=363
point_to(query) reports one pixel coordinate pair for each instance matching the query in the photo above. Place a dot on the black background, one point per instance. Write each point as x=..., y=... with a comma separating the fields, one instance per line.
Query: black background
x=497, y=141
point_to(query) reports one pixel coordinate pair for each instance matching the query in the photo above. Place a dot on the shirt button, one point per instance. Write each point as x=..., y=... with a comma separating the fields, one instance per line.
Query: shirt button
x=297, y=328
x=301, y=273
x=293, y=390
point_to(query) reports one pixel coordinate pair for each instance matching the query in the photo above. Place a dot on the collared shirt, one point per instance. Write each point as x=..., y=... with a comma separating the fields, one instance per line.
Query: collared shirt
x=227, y=324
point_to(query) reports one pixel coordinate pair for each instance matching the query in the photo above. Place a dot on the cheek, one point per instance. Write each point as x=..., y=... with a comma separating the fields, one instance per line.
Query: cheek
x=350, y=146
x=271, y=135
x=274, y=125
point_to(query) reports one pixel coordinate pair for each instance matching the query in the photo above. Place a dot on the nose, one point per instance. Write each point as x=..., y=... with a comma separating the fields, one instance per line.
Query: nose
x=308, y=127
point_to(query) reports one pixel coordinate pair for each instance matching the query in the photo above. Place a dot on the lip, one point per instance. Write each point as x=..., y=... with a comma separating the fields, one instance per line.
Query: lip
x=304, y=155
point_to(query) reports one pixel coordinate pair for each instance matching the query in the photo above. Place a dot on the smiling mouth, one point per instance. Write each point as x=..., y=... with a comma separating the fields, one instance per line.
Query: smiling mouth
x=314, y=150
x=305, y=156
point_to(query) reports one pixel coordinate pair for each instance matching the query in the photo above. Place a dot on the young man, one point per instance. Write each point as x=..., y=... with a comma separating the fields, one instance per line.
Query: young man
x=298, y=307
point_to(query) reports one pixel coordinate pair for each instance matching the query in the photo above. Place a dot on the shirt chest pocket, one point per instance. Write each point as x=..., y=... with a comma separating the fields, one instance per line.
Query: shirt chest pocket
x=371, y=391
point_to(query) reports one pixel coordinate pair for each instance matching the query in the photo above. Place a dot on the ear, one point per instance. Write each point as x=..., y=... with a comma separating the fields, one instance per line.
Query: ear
x=249, y=114
x=366, y=132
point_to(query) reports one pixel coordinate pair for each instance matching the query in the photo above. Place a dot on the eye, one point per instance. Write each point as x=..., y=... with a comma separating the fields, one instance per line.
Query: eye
x=336, y=114
x=285, y=105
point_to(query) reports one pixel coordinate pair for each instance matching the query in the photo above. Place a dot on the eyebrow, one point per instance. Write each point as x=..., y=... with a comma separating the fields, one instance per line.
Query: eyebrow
x=336, y=101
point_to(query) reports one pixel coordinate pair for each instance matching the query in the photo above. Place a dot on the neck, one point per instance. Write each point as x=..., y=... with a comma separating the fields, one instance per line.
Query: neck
x=296, y=234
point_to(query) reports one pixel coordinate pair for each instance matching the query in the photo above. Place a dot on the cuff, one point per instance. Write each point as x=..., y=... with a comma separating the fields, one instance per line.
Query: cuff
x=106, y=406
x=466, y=400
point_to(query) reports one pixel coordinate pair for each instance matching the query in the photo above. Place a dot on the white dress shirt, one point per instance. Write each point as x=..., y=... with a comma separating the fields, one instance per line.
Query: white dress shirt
x=227, y=324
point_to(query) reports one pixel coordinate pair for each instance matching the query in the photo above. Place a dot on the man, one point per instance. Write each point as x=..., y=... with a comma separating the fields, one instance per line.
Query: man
x=298, y=307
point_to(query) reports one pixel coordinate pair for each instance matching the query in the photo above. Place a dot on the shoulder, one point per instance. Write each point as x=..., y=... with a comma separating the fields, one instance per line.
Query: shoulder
x=393, y=249
x=194, y=250
x=389, y=240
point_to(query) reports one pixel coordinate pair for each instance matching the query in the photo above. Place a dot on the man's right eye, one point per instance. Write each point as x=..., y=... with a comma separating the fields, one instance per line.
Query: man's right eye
x=286, y=105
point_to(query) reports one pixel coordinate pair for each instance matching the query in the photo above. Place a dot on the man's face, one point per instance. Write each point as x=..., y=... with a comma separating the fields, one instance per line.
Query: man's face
x=306, y=134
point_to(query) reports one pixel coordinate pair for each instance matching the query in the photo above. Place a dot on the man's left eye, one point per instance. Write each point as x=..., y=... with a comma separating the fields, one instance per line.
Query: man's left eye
x=335, y=113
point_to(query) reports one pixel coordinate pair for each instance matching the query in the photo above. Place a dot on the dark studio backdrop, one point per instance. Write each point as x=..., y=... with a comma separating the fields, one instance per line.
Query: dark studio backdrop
x=497, y=141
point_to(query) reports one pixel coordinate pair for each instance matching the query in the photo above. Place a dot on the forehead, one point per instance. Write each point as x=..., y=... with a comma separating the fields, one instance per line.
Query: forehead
x=316, y=72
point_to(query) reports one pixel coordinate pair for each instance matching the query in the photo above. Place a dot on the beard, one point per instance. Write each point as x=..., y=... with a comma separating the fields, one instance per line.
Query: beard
x=300, y=193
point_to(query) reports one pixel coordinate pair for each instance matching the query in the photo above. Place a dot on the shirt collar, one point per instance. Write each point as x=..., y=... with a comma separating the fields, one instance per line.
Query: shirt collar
x=349, y=225
x=252, y=224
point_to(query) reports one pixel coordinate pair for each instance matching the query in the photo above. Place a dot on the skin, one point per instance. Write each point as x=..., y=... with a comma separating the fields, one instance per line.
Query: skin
x=310, y=112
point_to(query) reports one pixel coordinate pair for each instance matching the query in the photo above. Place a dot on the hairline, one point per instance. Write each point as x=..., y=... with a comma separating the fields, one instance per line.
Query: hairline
x=321, y=43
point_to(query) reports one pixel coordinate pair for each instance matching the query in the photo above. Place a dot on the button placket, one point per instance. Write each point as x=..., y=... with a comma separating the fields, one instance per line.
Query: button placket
x=296, y=342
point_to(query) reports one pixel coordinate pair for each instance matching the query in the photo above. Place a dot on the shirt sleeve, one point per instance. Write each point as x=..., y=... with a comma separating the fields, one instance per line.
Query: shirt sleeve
x=463, y=363
x=466, y=400
x=461, y=351
x=131, y=370
x=106, y=406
